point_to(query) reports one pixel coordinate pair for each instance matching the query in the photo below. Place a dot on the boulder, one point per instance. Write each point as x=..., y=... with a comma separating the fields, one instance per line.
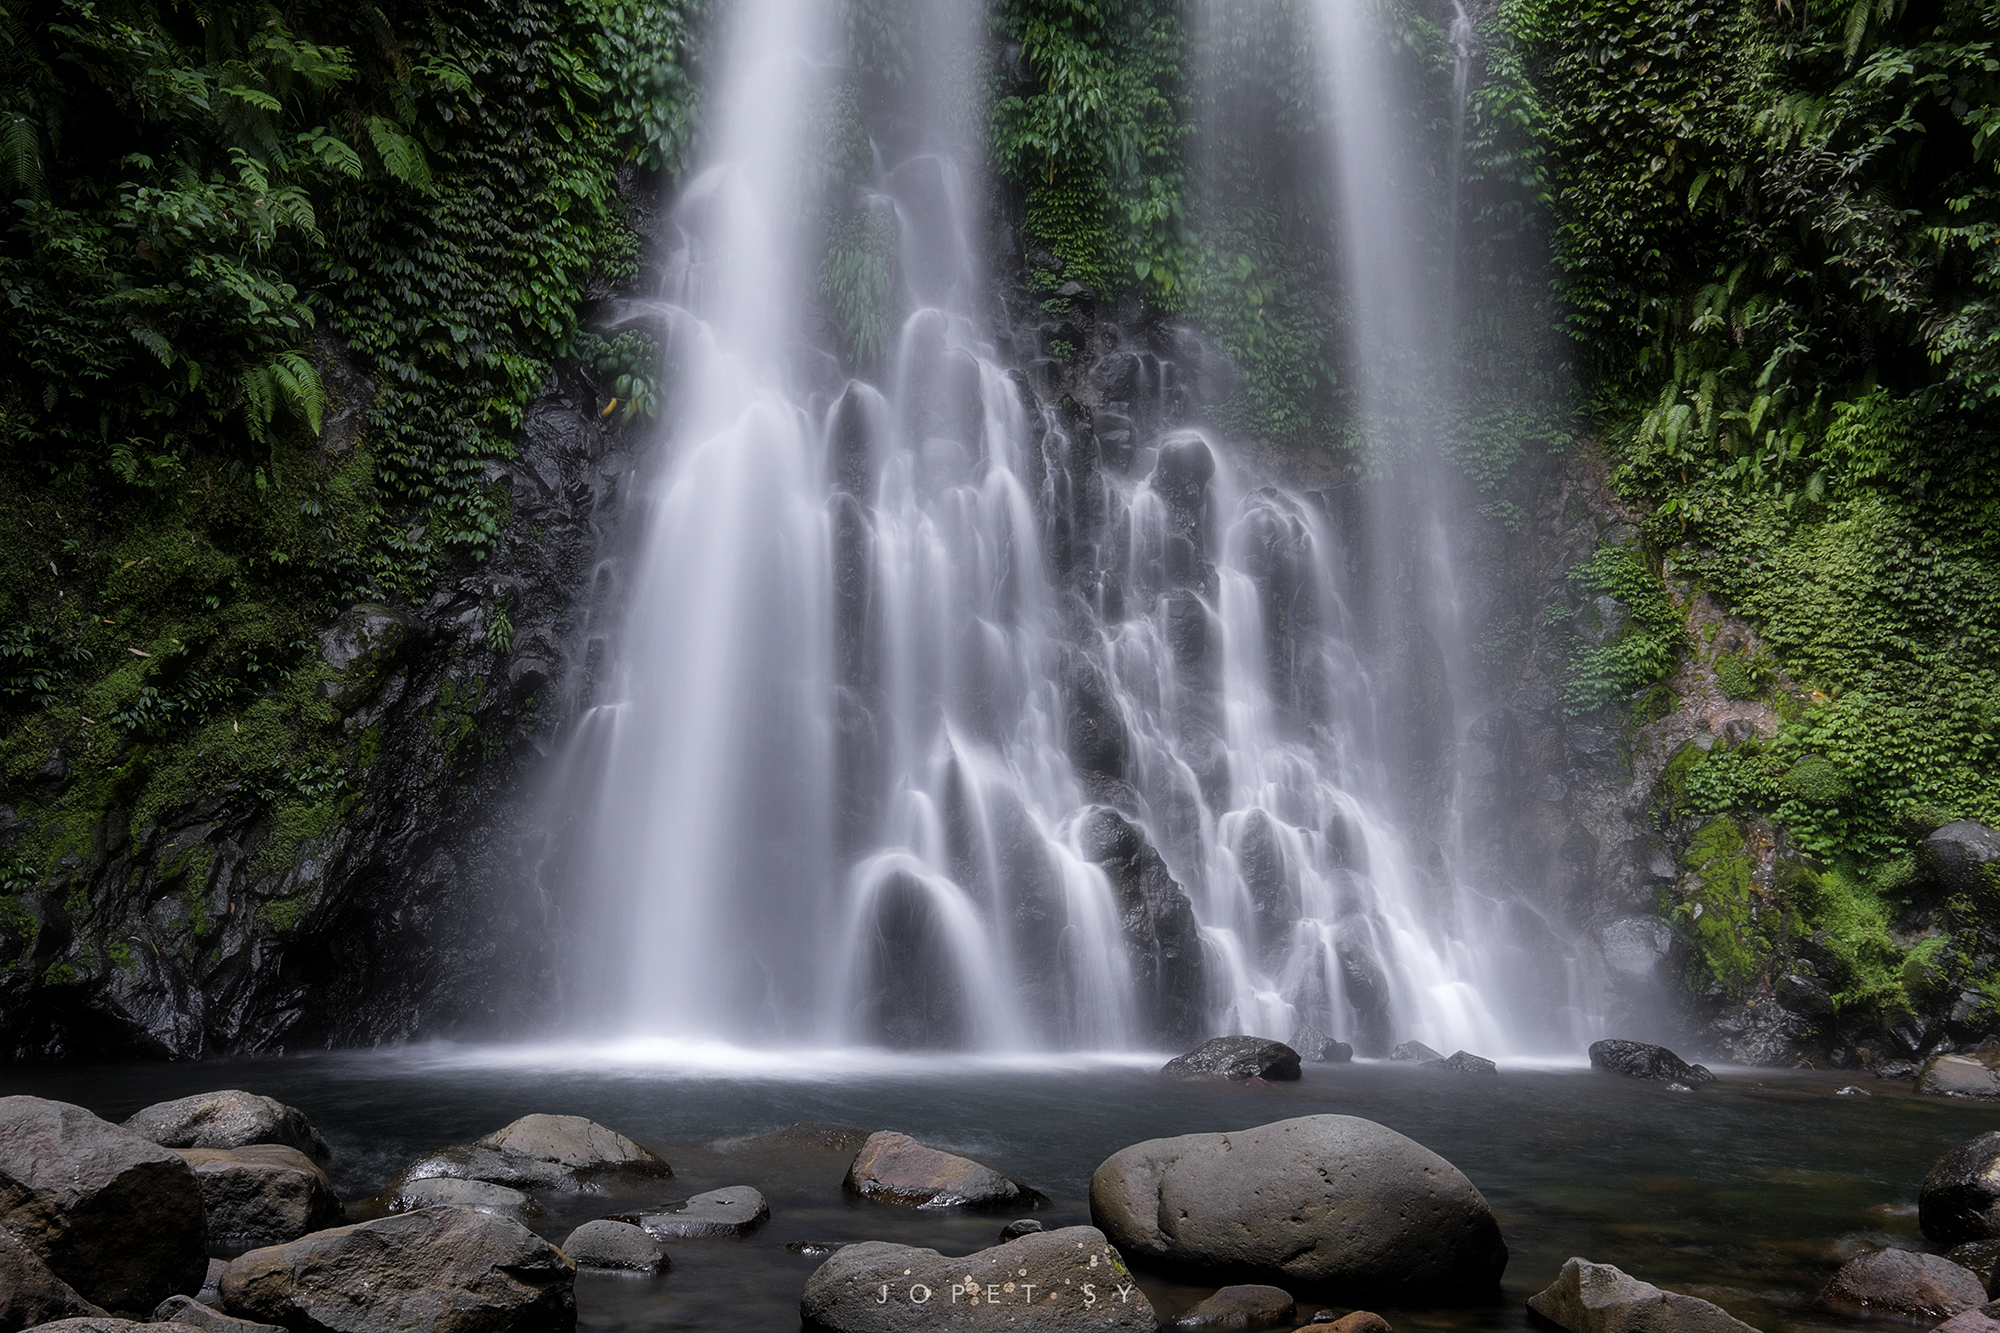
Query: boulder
x=1958, y=1076
x=30, y=1294
x=561, y=1152
x=1961, y=858
x=1050, y=1282
x=261, y=1194
x=1019, y=1227
x=1985, y=1319
x=1414, y=1050
x=1597, y=1298
x=406, y=1196
x=895, y=1168
x=192, y=1313
x=1236, y=1058
x=736, y=1210
x=1242, y=1307
x=117, y=1217
x=1464, y=1062
x=228, y=1119
x=1982, y=1259
x=1326, y=1200
x=1315, y=1047
x=1901, y=1284
x=1638, y=1059
x=437, y=1270
x=109, y=1324
x=1960, y=1199
x=617, y=1245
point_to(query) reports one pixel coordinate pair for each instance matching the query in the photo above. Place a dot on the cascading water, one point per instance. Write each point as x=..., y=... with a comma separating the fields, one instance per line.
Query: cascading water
x=935, y=717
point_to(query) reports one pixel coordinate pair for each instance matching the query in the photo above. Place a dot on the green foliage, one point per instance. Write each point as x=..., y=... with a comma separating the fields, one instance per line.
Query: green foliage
x=1735, y=933
x=1733, y=674
x=858, y=278
x=626, y=368
x=1645, y=649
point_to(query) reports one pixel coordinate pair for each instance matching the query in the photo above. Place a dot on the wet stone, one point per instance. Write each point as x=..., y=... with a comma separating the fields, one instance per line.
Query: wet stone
x=895, y=1168
x=409, y=1195
x=1414, y=1050
x=1639, y=1059
x=1241, y=1307
x=186, y=1310
x=1902, y=1285
x=736, y=1210
x=1236, y=1058
x=615, y=1245
x=1598, y=1298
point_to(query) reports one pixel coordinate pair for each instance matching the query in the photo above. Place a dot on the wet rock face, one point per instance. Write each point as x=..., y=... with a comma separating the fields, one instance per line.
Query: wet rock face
x=736, y=1210
x=608, y=1243
x=1961, y=857
x=229, y=1119
x=1960, y=1200
x=895, y=1168
x=1902, y=1285
x=260, y=1194
x=1329, y=1200
x=439, y=1270
x=1163, y=941
x=1638, y=1059
x=116, y=1217
x=1070, y=1279
x=1236, y=1058
x=1315, y=1047
x=1597, y=1298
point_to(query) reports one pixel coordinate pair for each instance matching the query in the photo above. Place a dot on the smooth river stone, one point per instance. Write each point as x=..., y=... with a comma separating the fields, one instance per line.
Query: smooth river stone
x=895, y=1168
x=409, y=1195
x=1904, y=1285
x=606, y=1243
x=736, y=1210
x=230, y=1118
x=1597, y=1298
x=1050, y=1282
x=1244, y=1307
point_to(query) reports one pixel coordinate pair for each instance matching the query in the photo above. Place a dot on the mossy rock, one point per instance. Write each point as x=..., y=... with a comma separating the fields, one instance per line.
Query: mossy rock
x=1733, y=674
x=1817, y=780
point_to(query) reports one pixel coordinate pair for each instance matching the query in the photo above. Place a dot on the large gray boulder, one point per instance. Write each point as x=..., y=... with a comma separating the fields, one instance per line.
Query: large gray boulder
x=1902, y=1285
x=1960, y=1200
x=30, y=1294
x=260, y=1194
x=1959, y=1076
x=560, y=1152
x=118, y=1218
x=1961, y=857
x=191, y=1312
x=895, y=1168
x=1597, y=1298
x=608, y=1243
x=1640, y=1059
x=1050, y=1282
x=1326, y=1200
x=437, y=1270
x=228, y=1119
x=735, y=1210
x=1236, y=1058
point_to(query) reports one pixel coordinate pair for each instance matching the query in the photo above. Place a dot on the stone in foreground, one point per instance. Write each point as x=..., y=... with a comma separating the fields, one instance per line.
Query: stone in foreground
x=115, y=1216
x=187, y=1310
x=231, y=1118
x=561, y=1152
x=1236, y=1058
x=1326, y=1200
x=1051, y=1282
x=30, y=1294
x=1597, y=1298
x=1901, y=1284
x=406, y=1196
x=437, y=1270
x=615, y=1245
x=895, y=1168
x=261, y=1194
x=1958, y=1076
x=1960, y=1200
x=1639, y=1059
x=1241, y=1307
x=736, y=1210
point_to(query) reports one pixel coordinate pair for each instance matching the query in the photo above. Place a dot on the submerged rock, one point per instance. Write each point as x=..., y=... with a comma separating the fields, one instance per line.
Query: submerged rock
x=30, y=1294
x=607, y=1243
x=1315, y=1047
x=1960, y=1199
x=229, y=1119
x=117, y=1217
x=1597, y=1298
x=562, y=1152
x=736, y=1210
x=187, y=1310
x=1241, y=1307
x=1329, y=1200
x=1050, y=1282
x=1958, y=1076
x=1414, y=1050
x=260, y=1194
x=1236, y=1058
x=437, y=1270
x=1901, y=1284
x=895, y=1168
x=1639, y=1059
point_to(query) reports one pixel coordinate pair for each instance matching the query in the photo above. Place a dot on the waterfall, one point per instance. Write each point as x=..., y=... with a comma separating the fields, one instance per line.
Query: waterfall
x=935, y=714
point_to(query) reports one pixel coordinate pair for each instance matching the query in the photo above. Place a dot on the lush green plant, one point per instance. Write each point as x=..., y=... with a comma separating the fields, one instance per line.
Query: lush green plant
x=1643, y=650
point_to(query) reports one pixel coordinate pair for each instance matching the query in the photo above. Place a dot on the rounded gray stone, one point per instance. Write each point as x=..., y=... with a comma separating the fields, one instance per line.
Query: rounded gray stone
x=1960, y=1199
x=615, y=1245
x=230, y=1118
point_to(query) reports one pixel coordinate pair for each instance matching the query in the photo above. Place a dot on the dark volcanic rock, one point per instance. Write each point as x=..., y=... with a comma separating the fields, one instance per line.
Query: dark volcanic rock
x=1901, y=1284
x=1961, y=858
x=1236, y=1058
x=228, y=1119
x=1597, y=1298
x=192, y=1313
x=118, y=1218
x=30, y=1294
x=736, y=1210
x=439, y=1270
x=1981, y=1258
x=406, y=1196
x=1464, y=1062
x=1638, y=1059
x=1019, y=1227
x=1162, y=939
x=1960, y=1200
x=1052, y=1282
x=1327, y=1199
x=607, y=1243
x=1315, y=1047
x=261, y=1194
x=1414, y=1050
x=1241, y=1307
x=895, y=1168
